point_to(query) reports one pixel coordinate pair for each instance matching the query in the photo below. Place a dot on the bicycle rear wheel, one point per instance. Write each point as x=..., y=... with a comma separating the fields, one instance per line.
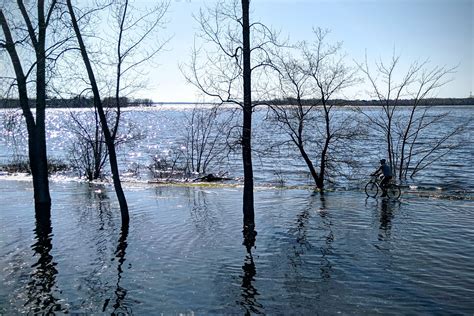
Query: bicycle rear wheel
x=393, y=191
x=371, y=189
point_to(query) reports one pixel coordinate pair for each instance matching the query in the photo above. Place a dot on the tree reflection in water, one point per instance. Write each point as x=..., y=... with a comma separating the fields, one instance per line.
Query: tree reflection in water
x=96, y=213
x=105, y=221
x=303, y=243
x=120, y=307
x=327, y=249
x=41, y=289
x=249, y=292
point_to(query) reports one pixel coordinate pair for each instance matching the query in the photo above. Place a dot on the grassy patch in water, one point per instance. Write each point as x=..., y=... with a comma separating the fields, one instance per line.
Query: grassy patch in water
x=23, y=166
x=224, y=184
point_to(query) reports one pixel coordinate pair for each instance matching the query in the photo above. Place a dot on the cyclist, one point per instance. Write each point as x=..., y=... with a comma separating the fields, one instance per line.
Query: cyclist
x=387, y=175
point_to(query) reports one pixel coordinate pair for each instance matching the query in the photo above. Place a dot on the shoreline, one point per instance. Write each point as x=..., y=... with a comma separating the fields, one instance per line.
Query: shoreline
x=130, y=184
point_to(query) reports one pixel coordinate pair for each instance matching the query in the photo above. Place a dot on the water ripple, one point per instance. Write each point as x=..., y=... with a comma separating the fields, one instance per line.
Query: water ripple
x=183, y=253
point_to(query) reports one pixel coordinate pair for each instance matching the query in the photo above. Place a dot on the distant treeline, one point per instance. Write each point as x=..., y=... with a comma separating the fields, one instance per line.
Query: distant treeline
x=78, y=102
x=407, y=102
x=83, y=102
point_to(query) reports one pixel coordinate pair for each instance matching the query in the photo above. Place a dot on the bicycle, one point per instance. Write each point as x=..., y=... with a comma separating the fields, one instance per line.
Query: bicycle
x=373, y=187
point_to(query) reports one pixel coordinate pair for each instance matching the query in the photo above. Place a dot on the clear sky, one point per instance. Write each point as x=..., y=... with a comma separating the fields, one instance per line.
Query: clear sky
x=440, y=30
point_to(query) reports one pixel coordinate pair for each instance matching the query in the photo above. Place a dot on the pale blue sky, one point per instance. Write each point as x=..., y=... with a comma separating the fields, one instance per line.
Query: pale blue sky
x=441, y=30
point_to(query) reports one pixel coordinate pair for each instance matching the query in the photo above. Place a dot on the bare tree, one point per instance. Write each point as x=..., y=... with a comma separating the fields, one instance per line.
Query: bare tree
x=88, y=151
x=309, y=77
x=225, y=73
x=36, y=25
x=406, y=117
x=248, y=198
x=126, y=46
x=201, y=145
x=207, y=131
x=132, y=47
x=103, y=119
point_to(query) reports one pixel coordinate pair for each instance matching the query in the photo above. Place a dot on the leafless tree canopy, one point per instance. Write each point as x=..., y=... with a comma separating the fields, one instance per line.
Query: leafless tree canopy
x=216, y=66
x=132, y=41
x=207, y=132
x=88, y=151
x=412, y=136
x=224, y=70
x=310, y=75
x=110, y=131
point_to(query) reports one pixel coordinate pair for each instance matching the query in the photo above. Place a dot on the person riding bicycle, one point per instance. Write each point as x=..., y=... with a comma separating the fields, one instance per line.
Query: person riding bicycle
x=387, y=175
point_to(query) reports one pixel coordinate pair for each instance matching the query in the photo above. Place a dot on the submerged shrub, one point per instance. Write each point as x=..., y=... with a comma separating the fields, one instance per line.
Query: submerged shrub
x=168, y=166
x=57, y=165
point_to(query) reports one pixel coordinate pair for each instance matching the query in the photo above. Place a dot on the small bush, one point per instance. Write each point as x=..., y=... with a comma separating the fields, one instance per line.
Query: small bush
x=56, y=165
x=165, y=167
x=17, y=166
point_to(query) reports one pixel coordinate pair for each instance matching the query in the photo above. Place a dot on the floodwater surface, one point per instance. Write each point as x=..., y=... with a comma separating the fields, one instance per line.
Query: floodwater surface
x=182, y=252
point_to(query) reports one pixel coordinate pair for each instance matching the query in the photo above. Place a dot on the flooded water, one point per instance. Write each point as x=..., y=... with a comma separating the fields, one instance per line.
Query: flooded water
x=183, y=253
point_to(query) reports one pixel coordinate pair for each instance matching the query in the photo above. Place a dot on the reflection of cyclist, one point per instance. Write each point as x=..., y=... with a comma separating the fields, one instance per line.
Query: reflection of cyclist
x=387, y=175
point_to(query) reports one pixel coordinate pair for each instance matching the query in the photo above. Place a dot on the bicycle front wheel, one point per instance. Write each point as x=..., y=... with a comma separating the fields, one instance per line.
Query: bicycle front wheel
x=393, y=191
x=371, y=189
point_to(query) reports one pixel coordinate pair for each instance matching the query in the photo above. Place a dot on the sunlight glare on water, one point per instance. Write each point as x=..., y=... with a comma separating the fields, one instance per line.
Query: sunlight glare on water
x=163, y=130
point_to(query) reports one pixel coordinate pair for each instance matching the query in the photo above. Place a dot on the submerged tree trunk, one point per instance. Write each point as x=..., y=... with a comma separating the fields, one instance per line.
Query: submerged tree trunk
x=109, y=140
x=39, y=168
x=317, y=179
x=40, y=135
x=327, y=141
x=248, y=198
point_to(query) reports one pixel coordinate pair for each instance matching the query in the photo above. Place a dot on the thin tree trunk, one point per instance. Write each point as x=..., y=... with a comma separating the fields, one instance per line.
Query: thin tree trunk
x=390, y=150
x=402, y=169
x=248, y=197
x=103, y=120
x=322, y=168
x=327, y=140
x=310, y=165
